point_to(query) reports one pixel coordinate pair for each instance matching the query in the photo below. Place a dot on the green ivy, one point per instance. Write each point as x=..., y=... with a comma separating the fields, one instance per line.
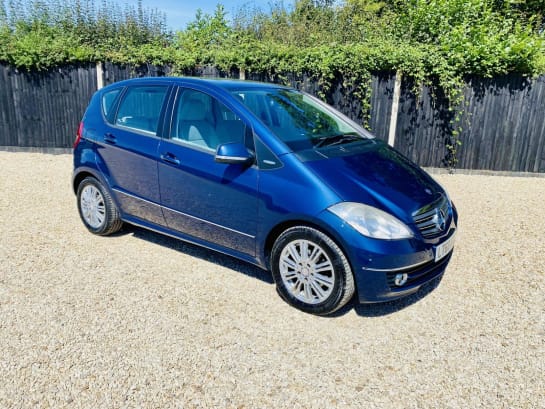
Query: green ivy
x=433, y=42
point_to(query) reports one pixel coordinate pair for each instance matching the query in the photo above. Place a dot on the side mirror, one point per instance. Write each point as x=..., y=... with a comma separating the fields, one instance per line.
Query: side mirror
x=234, y=153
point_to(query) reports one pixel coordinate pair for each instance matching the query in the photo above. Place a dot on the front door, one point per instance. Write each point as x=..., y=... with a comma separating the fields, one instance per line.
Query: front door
x=211, y=201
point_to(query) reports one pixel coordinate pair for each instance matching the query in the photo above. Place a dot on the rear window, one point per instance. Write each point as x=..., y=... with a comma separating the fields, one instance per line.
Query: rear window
x=140, y=108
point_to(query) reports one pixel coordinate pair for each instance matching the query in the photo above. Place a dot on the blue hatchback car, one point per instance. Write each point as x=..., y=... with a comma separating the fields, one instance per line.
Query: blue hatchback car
x=269, y=175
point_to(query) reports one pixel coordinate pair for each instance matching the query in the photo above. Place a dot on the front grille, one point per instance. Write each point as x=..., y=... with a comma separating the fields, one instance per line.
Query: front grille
x=432, y=220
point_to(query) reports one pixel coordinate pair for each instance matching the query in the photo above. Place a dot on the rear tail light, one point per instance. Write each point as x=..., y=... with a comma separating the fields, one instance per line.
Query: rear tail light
x=78, y=134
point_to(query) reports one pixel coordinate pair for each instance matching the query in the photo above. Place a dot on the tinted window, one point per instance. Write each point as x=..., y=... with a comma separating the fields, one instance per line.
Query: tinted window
x=140, y=108
x=203, y=121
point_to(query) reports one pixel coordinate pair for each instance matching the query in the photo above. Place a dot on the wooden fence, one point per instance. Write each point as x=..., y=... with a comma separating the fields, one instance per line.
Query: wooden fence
x=43, y=109
x=503, y=125
x=503, y=120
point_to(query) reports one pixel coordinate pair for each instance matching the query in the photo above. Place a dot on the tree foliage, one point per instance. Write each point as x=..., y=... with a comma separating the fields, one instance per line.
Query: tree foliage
x=445, y=38
x=434, y=41
x=40, y=34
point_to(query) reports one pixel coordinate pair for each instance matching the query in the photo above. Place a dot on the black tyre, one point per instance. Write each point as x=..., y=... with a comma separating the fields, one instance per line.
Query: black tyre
x=310, y=271
x=97, y=209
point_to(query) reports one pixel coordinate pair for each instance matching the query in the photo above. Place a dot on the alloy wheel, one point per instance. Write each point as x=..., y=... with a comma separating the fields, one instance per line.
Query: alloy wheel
x=307, y=271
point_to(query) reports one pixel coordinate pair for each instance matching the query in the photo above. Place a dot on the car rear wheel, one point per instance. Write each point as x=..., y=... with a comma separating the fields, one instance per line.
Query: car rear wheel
x=311, y=271
x=96, y=208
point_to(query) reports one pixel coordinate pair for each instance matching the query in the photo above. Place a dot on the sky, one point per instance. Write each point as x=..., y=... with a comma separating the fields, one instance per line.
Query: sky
x=180, y=12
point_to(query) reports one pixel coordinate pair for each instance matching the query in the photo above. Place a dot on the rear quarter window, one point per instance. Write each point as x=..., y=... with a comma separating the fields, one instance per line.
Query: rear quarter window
x=108, y=101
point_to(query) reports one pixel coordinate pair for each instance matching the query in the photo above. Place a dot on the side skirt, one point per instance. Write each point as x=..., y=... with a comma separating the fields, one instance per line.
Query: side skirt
x=193, y=240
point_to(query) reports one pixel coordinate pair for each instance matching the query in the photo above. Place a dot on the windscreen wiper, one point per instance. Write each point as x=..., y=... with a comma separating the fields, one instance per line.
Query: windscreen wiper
x=336, y=139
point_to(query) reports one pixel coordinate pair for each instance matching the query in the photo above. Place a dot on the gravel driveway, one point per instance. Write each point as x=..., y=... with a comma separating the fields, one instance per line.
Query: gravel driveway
x=141, y=320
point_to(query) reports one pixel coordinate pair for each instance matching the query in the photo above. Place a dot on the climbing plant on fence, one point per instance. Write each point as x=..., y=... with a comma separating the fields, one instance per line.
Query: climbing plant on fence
x=431, y=42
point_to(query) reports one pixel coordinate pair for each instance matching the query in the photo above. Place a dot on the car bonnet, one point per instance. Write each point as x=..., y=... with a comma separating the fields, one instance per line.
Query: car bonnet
x=372, y=173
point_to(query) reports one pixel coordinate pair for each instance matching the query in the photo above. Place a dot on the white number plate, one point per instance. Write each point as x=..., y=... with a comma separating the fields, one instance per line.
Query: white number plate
x=444, y=248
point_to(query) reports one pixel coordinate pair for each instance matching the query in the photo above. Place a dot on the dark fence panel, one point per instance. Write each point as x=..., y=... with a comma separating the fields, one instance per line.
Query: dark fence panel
x=423, y=125
x=503, y=125
x=382, y=95
x=43, y=109
x=504, y=128
x=114, y=72
x=8, y=114
x=503, y=118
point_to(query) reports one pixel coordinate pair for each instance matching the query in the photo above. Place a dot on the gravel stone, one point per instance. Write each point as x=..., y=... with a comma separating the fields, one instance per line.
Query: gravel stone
x=142, y=320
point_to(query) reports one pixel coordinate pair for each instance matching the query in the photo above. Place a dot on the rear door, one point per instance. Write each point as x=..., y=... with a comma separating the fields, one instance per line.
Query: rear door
x=128, y=154
x=212, y=201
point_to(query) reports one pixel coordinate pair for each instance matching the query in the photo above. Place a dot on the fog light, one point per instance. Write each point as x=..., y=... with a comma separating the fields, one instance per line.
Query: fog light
x=400, y=279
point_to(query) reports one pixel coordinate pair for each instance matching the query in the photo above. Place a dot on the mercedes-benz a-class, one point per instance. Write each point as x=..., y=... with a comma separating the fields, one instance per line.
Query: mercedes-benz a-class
x=270, y=175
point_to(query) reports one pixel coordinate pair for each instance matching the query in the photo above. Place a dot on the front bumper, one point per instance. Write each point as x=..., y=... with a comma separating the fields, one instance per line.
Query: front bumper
x=378, y=286
x=375, y=263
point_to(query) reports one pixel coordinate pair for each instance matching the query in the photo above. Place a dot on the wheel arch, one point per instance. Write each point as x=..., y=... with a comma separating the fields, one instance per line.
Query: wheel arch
x=78, y=178
x=345, y=287
x=86, y=171
x=277, y=230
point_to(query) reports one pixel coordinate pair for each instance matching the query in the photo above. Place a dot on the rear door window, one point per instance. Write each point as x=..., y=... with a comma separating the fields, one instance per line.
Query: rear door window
x=140, y=108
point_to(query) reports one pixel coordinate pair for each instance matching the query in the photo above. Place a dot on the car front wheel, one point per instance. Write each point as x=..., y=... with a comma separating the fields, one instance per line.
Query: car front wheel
x=311, y=271
x=96, y=208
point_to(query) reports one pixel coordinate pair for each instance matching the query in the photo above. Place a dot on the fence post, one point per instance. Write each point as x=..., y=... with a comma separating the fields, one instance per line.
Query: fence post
x=100, y=81
x=395, y=109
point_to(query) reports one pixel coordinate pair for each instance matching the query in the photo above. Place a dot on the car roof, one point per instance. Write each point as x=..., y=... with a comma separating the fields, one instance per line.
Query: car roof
x=226, y=84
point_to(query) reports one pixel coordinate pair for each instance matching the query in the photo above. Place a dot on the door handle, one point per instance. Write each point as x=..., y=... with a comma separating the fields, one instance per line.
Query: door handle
x=170, y=158
x=110, y=138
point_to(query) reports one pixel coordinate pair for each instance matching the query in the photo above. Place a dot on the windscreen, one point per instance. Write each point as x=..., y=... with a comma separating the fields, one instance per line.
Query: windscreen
x=300, y=120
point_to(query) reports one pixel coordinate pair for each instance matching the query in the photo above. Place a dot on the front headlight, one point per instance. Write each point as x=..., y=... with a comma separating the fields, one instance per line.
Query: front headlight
x=371, y=222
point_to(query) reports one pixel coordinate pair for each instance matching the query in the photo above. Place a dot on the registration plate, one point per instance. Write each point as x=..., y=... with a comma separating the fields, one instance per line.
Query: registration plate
x=444, y=248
